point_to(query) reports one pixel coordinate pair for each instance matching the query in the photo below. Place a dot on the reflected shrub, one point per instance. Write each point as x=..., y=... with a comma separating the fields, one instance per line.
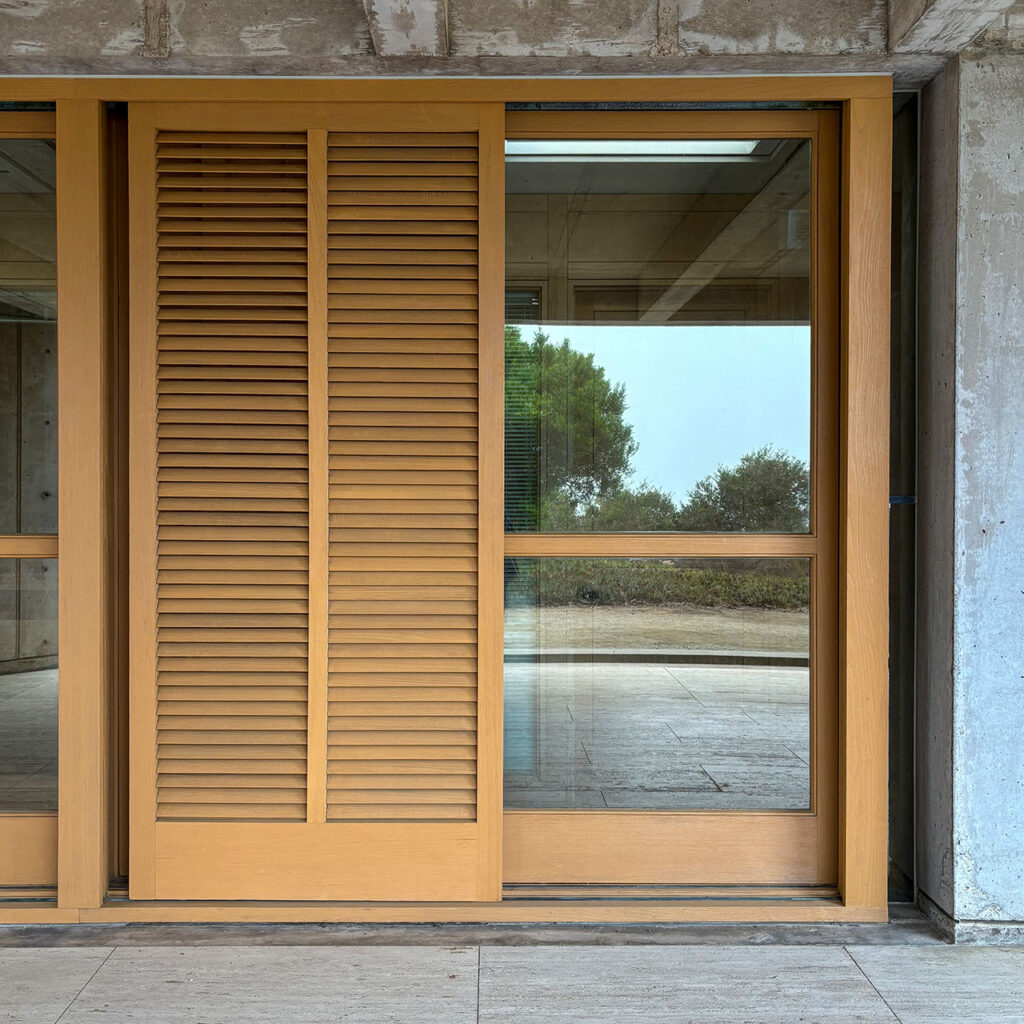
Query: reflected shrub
x=555, y=582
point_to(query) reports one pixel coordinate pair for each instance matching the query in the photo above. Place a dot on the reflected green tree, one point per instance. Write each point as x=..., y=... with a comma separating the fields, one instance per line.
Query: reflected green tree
x=766, y=492
x=566, y=439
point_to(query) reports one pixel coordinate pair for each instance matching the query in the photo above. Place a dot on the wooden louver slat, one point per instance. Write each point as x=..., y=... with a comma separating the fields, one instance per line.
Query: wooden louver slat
x=402, y=378
x=232, y=476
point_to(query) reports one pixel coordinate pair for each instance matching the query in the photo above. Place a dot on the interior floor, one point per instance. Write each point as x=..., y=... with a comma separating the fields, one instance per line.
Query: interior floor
x=28, y=741
x=582, y=734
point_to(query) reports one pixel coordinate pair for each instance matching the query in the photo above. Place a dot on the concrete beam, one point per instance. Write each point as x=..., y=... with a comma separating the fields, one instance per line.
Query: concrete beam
x=939, y=26
x=403, y=28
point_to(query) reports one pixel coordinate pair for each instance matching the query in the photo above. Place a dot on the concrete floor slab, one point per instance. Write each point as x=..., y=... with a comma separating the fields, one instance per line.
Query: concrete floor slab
x=308, y=985
x=682, y=985
x=947, y=984
x=38, y=985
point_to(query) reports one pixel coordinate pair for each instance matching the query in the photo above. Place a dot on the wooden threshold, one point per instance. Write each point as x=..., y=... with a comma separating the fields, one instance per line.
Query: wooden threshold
x=525, y=911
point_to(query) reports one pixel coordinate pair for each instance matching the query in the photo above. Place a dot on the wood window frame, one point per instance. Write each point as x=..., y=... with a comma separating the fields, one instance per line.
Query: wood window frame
x=28, y=857
x=88, y=485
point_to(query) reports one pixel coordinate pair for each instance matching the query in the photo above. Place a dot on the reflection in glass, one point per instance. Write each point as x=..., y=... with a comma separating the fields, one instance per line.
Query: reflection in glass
x=658, y=338
x=28, y=337
x=28, y=684
x=673, y=684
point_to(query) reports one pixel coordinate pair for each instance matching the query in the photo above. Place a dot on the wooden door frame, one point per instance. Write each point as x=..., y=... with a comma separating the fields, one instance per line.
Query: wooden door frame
x=707, y=846
x=87, y=485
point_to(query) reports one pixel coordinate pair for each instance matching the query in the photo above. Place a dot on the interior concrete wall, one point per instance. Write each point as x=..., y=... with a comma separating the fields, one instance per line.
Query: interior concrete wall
x=971, y=601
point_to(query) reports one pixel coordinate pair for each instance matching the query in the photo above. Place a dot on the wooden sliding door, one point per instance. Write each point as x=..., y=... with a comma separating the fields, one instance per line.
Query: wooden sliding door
x=672, y=499
x=316, y=635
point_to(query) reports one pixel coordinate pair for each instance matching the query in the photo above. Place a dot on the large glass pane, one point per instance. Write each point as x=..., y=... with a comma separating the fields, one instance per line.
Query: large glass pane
x=670, y=684
x=28, y=684
x=658, y=336
x=28, y=337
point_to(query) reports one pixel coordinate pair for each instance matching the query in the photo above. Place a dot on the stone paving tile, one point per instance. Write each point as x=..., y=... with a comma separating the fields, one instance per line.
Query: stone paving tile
x=37, y=985
x=947, y=984
x=297, y=985
x=676, y=985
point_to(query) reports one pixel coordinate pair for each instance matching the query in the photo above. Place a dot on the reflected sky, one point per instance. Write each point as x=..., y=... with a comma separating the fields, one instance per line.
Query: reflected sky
x=702, y=396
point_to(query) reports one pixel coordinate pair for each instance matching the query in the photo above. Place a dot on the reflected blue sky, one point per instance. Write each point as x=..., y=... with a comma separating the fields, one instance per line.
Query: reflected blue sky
x=701, y=396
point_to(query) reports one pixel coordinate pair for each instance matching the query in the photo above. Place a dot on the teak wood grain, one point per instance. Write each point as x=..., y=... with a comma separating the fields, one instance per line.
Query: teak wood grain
x=471, y=109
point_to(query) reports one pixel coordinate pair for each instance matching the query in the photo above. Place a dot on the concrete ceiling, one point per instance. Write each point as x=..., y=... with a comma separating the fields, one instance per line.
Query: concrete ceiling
x=909, y=38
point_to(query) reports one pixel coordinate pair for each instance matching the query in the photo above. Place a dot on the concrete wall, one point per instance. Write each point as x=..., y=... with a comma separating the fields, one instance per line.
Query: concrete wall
x=971, y=650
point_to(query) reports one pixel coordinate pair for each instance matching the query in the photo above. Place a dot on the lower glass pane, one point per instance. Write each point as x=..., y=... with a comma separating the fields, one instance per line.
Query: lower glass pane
x=28, y=684
x=678, y=684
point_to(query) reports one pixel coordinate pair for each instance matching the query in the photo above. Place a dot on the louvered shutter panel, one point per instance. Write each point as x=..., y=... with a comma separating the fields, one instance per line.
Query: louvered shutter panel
x=402, y=299
x=232, y=476
x=310, y=571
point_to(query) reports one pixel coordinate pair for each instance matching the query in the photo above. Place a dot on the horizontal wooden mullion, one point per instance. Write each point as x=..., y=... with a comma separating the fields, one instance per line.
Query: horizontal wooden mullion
x=667, y=545
x=29, y=545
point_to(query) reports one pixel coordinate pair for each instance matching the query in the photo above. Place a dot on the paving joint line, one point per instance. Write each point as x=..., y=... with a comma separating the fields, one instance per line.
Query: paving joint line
x=86, y=985
x=896, y=1016
x=479, y=950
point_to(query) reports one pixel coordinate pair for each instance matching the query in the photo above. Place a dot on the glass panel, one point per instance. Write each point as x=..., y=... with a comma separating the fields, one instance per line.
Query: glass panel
x=658, y=336
x=28, y=684
x=671, y=684
x=28, y=337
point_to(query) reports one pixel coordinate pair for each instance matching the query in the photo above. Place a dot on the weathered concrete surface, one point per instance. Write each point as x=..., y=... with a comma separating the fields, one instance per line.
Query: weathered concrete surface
x=266, y=28
x=988, y=637
x=776, y=26
x=71, y=28
x=599, y=28
x=971, y=597
x=939, y=159
x=940, y=26
x=486, y=37
x=1004, y=35
x=402, y=27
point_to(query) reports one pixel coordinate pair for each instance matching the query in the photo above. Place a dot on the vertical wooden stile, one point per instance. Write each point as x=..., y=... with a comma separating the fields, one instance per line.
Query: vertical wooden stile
x=86, y=485
x=490, y=512
x=142, y=507
x=316, y=707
